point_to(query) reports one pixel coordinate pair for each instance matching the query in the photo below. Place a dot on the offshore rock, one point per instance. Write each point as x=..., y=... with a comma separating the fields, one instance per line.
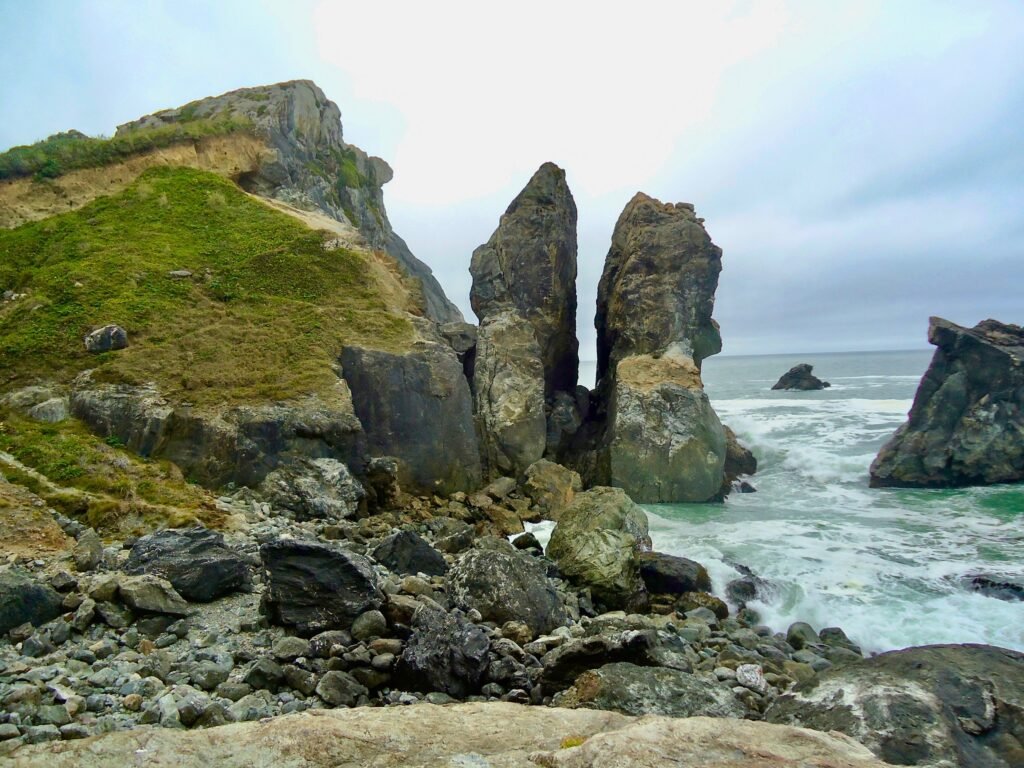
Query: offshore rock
x=197, y=562
x=966, y=426
x=406, y=403
x=597, y=544
x=934, y=706
x=654, y=432
x=633, y=690
x=309, y=165
x=739, y=460
x=800, y=377
x=478, y=734
x=506, y=586
x=508, y=380
x=316, y=587
x=529, y=266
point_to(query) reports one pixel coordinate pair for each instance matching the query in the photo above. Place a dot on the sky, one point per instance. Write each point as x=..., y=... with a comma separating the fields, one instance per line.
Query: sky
x=861, y=164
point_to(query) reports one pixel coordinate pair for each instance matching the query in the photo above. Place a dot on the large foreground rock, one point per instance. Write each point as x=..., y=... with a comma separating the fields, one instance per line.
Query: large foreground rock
x=407, y=404
x=494, y=734
x=966, y=426
x=196, y=561
x=445, y=653
x=942, y=705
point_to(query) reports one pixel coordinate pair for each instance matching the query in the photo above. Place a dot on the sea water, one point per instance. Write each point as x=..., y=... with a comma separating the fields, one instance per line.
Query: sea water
x=890, y=566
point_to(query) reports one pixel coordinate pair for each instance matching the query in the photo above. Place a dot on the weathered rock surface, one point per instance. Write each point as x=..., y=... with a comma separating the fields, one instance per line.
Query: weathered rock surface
x=529, y=266
x=633, y=690
x=653, y=431
x=672, y=575
x=508, y=382
x=406, y=552
x=800, y=377
x=316, y=587
x=314, y=489
x=966, y=426
x=506, y=586
x=196, y=561
x=310, y=166
x=494, y=734
x=23, y=598
x=445, y=653
x=551, y=487
x=106, y=339
x=943, y=705
x=597, y=543
x=151, y=594
x=739, y=460
x=406, y=403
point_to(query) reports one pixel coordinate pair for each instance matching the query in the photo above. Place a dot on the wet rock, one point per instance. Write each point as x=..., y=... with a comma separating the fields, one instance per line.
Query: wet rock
x=999, y=588
x=406, y=552
x=24, y=599
x=444, y=653
x=800, y=377
x=106, y=339
x=316, y=587
x=801, y=634
x=527, y=542
x=314, y=489
x=967, y=421
x=196, y=561
x=633, y=690
x=935, y=705
x=506, y=587
x=672, y=575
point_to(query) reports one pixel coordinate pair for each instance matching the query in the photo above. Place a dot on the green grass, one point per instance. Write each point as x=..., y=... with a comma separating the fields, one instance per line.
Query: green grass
x=65, y=152
x=263, y=317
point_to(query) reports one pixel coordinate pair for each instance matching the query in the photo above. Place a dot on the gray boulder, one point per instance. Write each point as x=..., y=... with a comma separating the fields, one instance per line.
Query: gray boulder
x=506, y=586
x=406, y=552
x=151, y=594
x=23, y=599
x=444, y=653
x=106, y=339
x=634, y=690
x=800, y=377
x=314, y=489
x=966, y=426
x=405, y=403
x=938, y=705
x=196, y=561
x=316, y=587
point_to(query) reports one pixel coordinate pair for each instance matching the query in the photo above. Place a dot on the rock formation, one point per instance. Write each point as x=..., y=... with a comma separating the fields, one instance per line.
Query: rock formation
x=966, y=426
x=524, y=292
x=800, y=377
x=654, y=432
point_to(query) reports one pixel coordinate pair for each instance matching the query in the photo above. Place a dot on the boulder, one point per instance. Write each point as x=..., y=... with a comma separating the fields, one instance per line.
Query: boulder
x=932, y=706
x=529, y=266
x=551, y=487
x=739, y=460
x=508, y=380
x=315, y=587
x=88, y=551
x=406, y=552
x=671, y=575
x=24, y=599
x=966, y=426
x=505, y=586
x=800, y=377
x=106, y=339
x=632, y=690
x=314, y=489
x=151, y=594
x=196, y=561
x=444, y=653
x=405, y=402
x=597, y=544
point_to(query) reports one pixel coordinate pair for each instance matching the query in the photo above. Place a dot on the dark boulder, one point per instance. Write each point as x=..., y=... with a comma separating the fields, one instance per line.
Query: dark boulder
x=106, y=339
x=800, y=377
x=197, y=562
x=23, y=599
x=444, y=653
x=966, y=426
x=930, y=706
x=671, y=575
x=316, y=587
x=999, y=588
x=506, y=586
x=406, y=552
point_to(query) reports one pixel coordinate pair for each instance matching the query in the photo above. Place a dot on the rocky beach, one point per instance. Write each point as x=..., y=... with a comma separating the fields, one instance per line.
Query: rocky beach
x=266, y=496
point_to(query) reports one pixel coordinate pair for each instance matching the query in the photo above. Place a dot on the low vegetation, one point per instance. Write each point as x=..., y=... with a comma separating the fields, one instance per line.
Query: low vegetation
x=263, y=314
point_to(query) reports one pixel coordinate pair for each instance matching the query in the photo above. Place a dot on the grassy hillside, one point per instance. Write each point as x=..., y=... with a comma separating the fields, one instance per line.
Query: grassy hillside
x=264, y=315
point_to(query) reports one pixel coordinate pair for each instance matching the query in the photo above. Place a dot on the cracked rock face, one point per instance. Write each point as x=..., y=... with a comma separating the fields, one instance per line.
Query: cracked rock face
x=966, y=426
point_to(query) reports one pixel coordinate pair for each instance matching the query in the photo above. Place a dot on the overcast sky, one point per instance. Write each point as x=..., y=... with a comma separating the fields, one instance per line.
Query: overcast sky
x=861, y=164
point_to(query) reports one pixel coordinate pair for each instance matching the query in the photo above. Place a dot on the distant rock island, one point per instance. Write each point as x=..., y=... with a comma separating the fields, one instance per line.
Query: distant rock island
x=800, y=377
x=966, y=426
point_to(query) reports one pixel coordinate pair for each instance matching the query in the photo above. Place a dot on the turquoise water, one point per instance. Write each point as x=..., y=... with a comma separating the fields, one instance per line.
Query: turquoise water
x=886, y=565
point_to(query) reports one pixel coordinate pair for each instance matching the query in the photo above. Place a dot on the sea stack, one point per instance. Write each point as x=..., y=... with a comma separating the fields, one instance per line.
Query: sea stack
x=966, y=426
x=800, y=377
x=524, y=293
x=654, y=433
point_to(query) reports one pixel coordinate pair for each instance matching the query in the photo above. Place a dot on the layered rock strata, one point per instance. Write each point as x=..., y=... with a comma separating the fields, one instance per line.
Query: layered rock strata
x=966, y=426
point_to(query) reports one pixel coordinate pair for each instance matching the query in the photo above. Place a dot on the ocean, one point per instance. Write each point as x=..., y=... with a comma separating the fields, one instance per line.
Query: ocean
x=889, y=566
